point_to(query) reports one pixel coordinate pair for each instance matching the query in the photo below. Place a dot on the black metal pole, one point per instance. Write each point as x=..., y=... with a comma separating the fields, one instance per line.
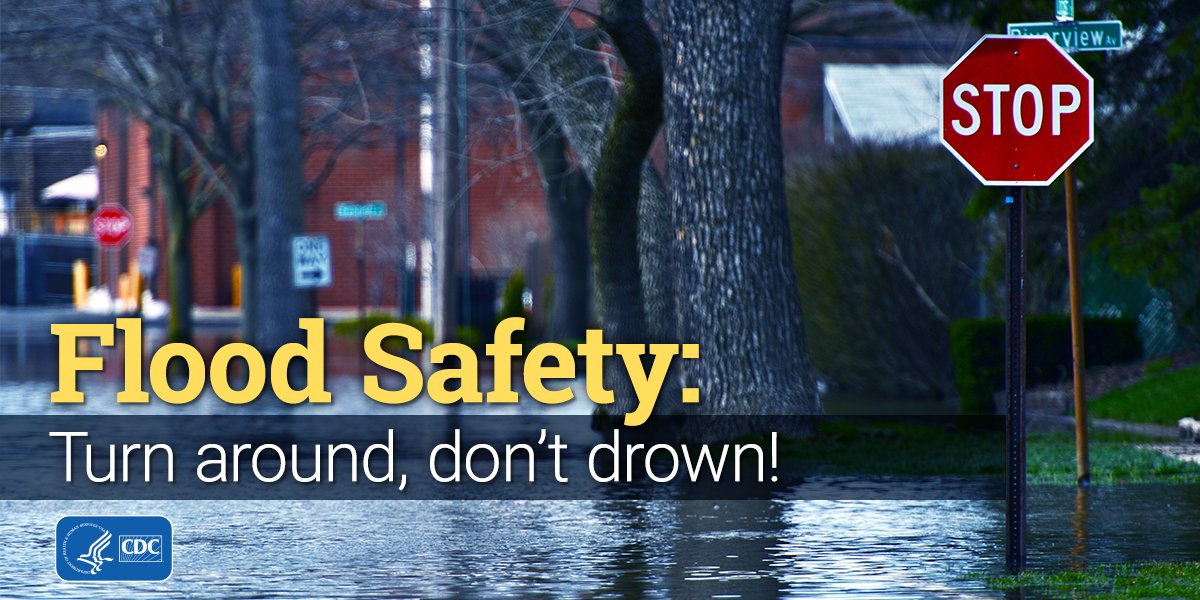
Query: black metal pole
x=1014, y=558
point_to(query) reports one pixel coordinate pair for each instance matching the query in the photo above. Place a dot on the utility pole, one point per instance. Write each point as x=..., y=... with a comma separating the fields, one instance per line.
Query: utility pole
x=448, y=169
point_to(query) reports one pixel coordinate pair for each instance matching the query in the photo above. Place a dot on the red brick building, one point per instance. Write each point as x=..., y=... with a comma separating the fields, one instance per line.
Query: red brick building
x=505, y=211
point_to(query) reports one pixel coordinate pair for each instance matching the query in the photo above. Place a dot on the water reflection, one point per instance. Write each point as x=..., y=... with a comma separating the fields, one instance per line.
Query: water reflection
x=1076, y=560
x=595, y=549
x=605, y=548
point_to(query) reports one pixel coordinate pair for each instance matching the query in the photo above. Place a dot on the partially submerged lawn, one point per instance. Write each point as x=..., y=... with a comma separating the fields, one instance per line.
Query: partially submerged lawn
x=1137, y=580
x=1115, y=458
x=868, y=448
x=1163, y=398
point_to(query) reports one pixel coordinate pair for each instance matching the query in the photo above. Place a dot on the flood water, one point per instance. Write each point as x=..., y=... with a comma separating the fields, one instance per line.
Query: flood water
x=585, y=548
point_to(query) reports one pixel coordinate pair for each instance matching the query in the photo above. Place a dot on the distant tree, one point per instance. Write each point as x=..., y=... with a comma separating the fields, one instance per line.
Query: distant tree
x=1160, y=236
x=178, y=72
x=184, y=69
x=630, y=222
x=568, y=194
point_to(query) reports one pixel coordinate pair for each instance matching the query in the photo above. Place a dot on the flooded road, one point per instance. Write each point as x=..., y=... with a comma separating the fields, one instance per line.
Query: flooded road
x=580, y=548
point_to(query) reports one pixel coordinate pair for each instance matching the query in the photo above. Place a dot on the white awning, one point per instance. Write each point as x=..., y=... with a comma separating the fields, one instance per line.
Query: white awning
x=82, y=187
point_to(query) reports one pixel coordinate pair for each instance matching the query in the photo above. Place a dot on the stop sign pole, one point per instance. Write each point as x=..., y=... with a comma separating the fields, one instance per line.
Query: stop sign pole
x=1016, y=111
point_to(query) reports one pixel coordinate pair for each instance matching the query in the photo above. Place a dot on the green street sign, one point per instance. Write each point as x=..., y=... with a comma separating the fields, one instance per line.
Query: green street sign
x=1076, y=36
x=359, y=211
x=1064, y=10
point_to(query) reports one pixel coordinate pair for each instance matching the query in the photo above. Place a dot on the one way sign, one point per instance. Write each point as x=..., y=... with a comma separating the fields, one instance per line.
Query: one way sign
x=311, y=264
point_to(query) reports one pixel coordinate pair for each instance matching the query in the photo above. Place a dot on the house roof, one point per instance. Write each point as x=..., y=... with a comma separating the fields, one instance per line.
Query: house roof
x=885, y=102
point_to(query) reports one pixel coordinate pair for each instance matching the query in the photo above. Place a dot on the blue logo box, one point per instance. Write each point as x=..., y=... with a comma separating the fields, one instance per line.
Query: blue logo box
x=113, y=548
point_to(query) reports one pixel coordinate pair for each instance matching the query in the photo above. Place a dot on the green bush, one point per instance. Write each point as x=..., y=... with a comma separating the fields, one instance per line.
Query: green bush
x=425, y=327
x=469, y=336
x=512, y=303
x=350, y=327
x=977, y=346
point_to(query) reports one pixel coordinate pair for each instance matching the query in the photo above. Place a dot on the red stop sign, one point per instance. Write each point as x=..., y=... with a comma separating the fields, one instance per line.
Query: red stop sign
x=111, y=225
x=1016, y=110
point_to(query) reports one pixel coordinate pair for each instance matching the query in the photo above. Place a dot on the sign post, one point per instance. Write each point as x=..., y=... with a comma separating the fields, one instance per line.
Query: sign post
x=1016, y=111
x=360, y=213
x=111, y=225
x=1014, y=333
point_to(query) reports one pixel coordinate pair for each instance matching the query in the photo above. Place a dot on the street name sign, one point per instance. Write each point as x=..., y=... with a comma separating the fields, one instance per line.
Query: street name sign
x=311, y=263
x=1076, y=36
x=1016, y=110
x=359, y=211
x=111, y=225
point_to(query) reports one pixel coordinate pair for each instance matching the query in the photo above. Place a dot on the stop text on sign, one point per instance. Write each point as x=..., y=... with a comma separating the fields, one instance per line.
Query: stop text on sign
x=111, y=227
x=1028, y=107
x=1016, y=110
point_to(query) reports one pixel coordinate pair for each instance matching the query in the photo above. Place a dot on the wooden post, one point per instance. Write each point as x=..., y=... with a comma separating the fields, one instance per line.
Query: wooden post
x=236, y=295
x=1081, y=443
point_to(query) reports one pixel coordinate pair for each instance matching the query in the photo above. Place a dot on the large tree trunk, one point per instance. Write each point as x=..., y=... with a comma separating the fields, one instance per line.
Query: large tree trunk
x=617, y=187
x=723, y=61
x=617, y=182
x=278, y=176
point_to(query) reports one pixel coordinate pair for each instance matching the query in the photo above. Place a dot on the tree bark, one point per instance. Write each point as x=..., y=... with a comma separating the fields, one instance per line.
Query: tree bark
x=278, y=176
x=723, y=62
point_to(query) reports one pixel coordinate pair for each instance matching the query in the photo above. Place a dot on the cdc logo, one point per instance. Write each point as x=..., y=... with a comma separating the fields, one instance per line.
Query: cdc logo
x=113, y=548
x=140, y=548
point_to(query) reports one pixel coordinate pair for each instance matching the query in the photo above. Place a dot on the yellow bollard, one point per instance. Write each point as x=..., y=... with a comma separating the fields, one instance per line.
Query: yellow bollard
x=135, y=286
x=122, y=298
x=79, y=280
x=236, y=299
